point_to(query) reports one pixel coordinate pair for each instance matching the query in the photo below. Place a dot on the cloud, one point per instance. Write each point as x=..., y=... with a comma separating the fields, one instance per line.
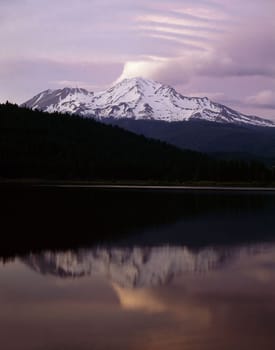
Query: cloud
x=250, y=53
x=22, y=79
x=264, y=99
x=244, y=49
x=114, y=30
x=202, y=45
x=134, y=69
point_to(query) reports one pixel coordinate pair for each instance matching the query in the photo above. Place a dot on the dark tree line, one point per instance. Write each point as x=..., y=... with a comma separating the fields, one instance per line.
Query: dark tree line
x=34, y=144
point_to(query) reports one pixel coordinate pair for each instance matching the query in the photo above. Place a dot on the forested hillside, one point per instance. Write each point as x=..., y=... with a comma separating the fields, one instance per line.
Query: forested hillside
x=34, y=144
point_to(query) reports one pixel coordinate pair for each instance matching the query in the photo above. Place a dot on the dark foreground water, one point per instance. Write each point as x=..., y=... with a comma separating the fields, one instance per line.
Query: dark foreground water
x=132, y=269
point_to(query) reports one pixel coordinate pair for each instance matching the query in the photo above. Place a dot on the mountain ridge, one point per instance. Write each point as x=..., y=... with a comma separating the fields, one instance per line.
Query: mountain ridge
x=140, y=99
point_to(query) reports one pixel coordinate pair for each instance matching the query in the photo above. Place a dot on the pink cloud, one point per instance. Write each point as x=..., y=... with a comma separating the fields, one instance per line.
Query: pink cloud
x=265, y=98
x=202, y=45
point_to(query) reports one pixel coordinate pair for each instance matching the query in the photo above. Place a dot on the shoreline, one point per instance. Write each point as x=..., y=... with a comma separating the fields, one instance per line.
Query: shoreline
x=170, y=187
x=139, y=185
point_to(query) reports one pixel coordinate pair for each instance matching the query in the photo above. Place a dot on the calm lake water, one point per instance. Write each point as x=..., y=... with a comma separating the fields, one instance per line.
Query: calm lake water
x=136, y=269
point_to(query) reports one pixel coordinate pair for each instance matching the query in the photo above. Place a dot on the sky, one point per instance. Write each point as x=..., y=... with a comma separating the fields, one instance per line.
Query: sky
x=221, y=49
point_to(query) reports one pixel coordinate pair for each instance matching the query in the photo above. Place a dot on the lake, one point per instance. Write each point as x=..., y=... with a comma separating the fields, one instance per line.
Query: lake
x=117, y=268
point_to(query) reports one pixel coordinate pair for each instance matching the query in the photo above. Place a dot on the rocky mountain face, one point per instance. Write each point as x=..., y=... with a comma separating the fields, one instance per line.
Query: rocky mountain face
x=140, y=99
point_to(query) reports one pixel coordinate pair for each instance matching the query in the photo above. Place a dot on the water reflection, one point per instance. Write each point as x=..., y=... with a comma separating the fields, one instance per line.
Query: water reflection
x=58, y=218
x=160, y=270
x=138, y=267
x=140, y=298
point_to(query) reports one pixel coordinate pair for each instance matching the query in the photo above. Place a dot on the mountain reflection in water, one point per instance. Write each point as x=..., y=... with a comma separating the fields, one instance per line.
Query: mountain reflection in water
x=138, y=267
x=90, y=269
x=140, y=298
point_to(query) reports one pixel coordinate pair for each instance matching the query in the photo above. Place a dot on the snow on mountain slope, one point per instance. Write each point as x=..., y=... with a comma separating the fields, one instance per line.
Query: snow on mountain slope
x=67, y=100
x=139, y=98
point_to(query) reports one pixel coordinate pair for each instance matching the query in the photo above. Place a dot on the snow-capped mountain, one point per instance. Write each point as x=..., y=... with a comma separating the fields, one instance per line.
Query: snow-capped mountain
x=139, y=99
x=137, y=267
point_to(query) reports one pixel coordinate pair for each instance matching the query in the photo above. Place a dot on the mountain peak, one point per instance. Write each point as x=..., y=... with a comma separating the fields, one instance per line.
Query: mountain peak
x=139, y=85
x=75, y=90
x=139, y=98
x=138, y=81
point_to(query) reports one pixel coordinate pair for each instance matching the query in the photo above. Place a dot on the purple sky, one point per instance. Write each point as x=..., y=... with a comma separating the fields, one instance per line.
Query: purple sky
x=217, y=48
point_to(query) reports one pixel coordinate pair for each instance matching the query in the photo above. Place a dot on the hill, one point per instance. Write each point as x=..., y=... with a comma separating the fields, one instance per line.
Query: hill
x=35, y=144
x=229, y=141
